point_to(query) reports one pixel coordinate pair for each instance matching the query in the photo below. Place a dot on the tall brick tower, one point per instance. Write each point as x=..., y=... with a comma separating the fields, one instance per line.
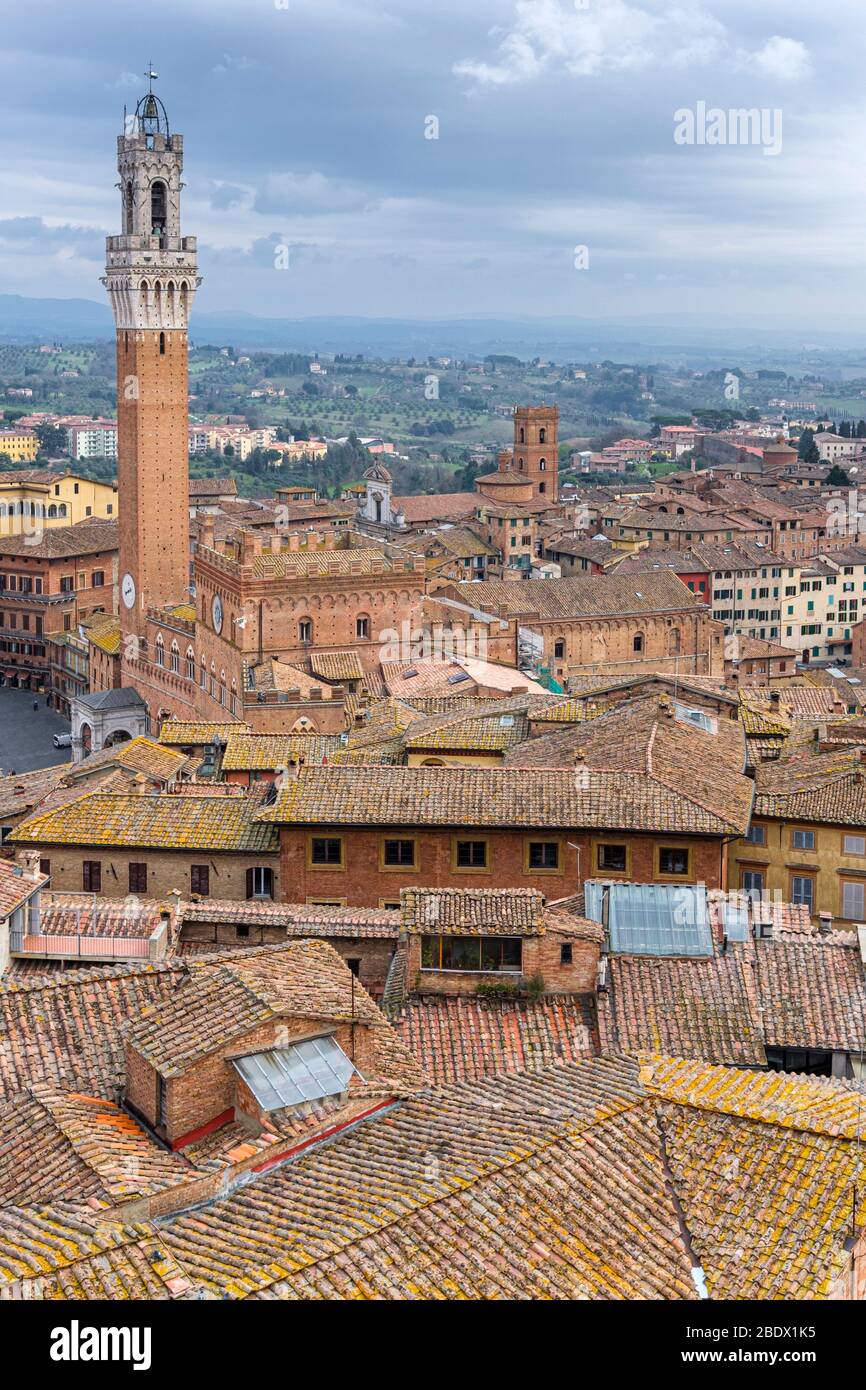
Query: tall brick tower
x=535, y=447
x=151, y=278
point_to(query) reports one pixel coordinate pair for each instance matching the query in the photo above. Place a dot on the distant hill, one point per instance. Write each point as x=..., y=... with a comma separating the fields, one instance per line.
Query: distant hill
x=708, y=338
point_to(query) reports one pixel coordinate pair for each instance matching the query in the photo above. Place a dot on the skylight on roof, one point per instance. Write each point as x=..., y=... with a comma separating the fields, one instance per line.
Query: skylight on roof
x=306, y=1071
x=686, y=715
x=460, y=676
x=651, y=919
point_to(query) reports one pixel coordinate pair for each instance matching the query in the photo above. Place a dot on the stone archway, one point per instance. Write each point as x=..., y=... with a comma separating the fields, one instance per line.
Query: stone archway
x=117, y=736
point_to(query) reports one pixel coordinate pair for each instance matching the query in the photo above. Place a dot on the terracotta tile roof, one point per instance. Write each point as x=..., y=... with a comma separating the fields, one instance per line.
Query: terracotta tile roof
x=103, y=630
x=452, y=705
x=272, y=674
x=229, y=994
x=139, y=754
x=808, y=700
x=757, y=719
x=828, y=788
x=436, y=508
x=66, y=1251
x=337, y=666
x=600, y=595
x=64, y=542
x=189, y=734
x=374, y=722
x=574, y=710
x=213, y=487
x=646, y=738
x=269, y=752
x=15, y=889
x=756, y=1234
x=60, y=1145
x=408, y=679
x=477, y=797
x=814, y=1104
x=461, y=1039
x=466, y=719
x=184, y=611
x=498, y=1187
x=312, y=564
x=64, y=1029
x=473, y=911
x=813, y=993
x=701, y=1008
x=782, y=917
x=298, y=919
x=22, y=791
x=756, y=648
x=158, y=821
x=461, y=541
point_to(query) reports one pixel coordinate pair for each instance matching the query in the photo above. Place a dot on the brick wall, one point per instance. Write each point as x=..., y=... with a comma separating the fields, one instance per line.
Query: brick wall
x=364, y=883
x=374, y=953
x=166, y=870
x=209, y=1087
x=541, y=956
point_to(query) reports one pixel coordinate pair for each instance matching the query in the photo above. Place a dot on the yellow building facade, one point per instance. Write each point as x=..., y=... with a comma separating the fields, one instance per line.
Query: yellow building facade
x=806, y=861
x=21, y=446
x=32, y=499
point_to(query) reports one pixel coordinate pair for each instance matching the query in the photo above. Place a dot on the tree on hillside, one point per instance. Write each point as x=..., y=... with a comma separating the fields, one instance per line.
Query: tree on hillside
x=807, y=449
x=837, y=477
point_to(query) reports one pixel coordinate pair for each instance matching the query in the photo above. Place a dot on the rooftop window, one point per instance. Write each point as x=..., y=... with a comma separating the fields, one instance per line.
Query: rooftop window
x=288, y=1076
x=651, y=919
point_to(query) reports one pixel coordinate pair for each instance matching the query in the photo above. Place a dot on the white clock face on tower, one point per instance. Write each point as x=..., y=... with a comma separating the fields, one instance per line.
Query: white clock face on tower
x=217, y=613
x=127, y=589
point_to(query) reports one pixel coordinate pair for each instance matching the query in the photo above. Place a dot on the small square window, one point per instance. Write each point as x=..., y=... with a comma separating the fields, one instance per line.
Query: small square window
x=565, y=953
x=803, y=839
x=613, y=858
x=399, y=854
x=673, y=860
x=543, y=854
x=326, y=851
x=472, y=854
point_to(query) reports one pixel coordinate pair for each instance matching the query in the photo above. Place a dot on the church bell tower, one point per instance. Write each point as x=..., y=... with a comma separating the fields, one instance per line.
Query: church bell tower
x=151, y=278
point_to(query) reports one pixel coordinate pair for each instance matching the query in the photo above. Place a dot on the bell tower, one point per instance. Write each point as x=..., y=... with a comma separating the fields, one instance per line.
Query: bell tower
x=536, y=447
x=151, y=278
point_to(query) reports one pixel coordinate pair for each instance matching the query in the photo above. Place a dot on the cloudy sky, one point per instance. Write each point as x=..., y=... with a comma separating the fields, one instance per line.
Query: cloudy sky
x=304, y=125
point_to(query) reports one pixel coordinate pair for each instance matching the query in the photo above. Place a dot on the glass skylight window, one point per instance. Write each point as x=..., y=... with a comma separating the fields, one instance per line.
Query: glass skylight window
x=651, y=919
x=293, y=1075
x=695, y=716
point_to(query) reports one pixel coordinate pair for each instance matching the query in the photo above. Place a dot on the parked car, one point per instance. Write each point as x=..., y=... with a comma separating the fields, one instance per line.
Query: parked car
x=62, y=740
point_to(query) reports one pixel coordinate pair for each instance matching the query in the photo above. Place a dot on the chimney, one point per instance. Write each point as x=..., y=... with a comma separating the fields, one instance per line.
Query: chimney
x=28, y=862
x=206, y=534
x=775, y=698
x=579, y=757
x=825, y=923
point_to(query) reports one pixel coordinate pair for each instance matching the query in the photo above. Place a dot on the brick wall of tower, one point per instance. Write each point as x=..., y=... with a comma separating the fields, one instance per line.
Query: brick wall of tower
x=152, y=466
x=536, y=447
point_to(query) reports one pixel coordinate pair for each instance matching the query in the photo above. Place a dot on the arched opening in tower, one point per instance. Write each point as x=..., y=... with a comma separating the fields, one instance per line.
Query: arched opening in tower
x=158, y=210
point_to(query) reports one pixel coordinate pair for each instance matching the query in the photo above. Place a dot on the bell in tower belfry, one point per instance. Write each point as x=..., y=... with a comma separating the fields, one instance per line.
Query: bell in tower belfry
x=151, y=276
